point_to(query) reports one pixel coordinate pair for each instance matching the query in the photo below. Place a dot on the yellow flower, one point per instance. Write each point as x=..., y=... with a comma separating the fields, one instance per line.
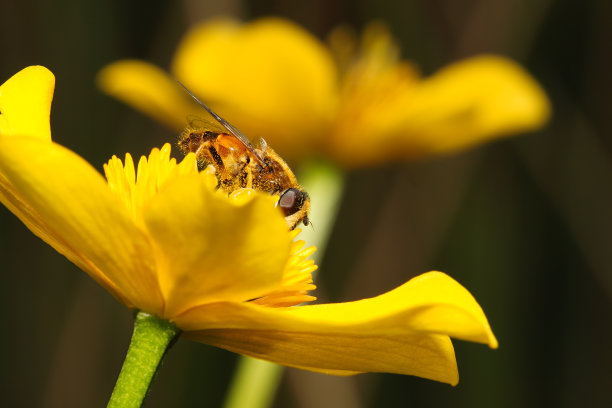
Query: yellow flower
x=273, y=80
x=225, y=270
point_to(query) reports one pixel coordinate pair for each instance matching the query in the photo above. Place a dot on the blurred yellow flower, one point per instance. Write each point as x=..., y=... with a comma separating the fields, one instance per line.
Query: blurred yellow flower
x=356, y=105
x=225, y=270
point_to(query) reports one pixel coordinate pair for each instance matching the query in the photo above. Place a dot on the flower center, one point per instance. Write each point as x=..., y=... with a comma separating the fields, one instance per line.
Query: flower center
x=137, y=186
x=297, y=278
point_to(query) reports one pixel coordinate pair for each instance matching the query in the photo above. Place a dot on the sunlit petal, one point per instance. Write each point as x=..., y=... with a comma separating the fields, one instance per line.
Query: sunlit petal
x=211, y=248
x=66, y=202
x=427, y=356
x=25, y=103
x=430, y=303
x=422, y=310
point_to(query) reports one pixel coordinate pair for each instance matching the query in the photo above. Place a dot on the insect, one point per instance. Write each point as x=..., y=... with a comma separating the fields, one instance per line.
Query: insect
x=238, y=164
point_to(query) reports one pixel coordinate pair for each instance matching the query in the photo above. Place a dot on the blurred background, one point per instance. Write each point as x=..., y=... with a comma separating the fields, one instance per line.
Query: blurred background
x=524, y=223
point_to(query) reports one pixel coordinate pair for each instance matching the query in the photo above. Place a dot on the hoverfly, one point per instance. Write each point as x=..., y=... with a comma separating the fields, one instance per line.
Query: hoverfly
x=239, y=164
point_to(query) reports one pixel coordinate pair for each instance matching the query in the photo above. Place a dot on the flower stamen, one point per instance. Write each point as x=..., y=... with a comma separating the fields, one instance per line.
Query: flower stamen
x=297, y=278
x=137, y=186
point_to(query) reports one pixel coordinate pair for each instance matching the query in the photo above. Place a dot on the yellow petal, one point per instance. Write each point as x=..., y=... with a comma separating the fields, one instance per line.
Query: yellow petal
x=149, y=89
x=464, y=104
x=269, y=78
x=427, y=356
x=475, y=100
x=423, y=309
x=25, y=103
x=210, y=247
x=67, y=203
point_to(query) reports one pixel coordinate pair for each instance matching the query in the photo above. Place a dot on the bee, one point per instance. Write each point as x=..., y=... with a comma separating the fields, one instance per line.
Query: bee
x=239, y=164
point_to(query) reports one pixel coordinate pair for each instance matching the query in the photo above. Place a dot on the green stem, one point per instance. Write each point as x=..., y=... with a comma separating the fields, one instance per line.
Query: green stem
x=254, y=384
x=255, y=381
x=151, y=339
x=325, y=184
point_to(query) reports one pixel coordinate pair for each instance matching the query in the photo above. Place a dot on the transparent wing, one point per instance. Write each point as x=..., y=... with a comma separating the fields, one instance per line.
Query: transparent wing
x=226, y=126
x=261, y=144
x=199, y=122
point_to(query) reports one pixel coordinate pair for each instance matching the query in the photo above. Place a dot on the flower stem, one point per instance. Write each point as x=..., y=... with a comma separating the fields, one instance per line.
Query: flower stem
x=151, y=339
x=255, y=381
x=324, y=182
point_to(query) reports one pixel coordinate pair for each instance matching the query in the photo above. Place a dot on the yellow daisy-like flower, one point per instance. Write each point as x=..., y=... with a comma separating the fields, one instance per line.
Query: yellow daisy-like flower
x=224, y=270
x=273, y=80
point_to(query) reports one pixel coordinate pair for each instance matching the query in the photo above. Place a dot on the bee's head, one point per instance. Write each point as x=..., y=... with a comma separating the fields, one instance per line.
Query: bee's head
x=295, y=204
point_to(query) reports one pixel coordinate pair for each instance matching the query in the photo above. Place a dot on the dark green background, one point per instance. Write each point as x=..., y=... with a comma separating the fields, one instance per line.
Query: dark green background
x=523, y=223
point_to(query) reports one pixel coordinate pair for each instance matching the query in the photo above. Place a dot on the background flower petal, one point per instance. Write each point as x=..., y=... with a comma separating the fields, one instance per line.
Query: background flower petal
x=475, y=100
x=67, y=203
x=148, y=89
x=25, y=103
x=209, y=248
x=464, y=104
x=269, y=78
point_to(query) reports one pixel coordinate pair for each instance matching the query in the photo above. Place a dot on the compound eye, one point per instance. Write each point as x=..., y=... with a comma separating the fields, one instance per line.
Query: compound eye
x=291, y=200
